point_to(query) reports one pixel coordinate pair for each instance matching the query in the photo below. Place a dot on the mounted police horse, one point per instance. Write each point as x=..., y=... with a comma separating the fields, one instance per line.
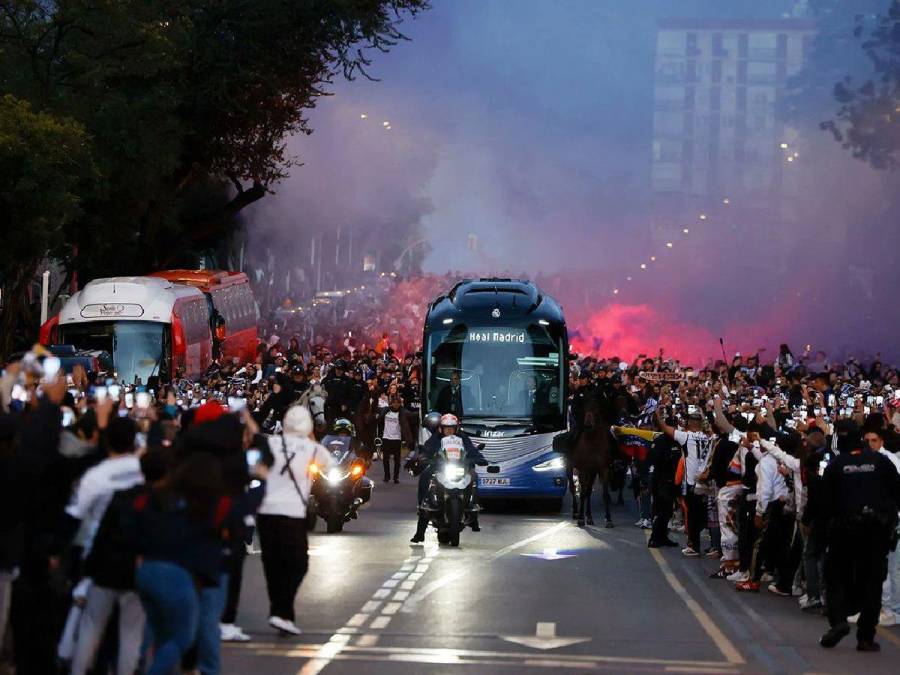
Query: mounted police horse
x=590, y=453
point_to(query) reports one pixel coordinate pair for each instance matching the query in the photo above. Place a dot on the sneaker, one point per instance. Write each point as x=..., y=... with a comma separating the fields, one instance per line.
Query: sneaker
x=688, y=552
x=797, y=590
x=834, y=635
x=853, y=619
x=808, y=603
x=774, y=590
x=639, y=523
x=868, y=646
x=721, y=573
x=766, y=578
x=714, y=554
x=747, y=587
x=284, y=626
x=887, y=618
x=232, y=633
x=738, y=577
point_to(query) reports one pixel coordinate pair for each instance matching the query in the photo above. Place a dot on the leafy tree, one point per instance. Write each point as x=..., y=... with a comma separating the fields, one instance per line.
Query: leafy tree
x=868, y=121
x=187, y=104
x=47, y=168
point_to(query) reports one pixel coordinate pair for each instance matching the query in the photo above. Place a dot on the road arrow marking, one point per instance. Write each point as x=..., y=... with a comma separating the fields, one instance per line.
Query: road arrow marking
x=544, y=638
x=549, y=554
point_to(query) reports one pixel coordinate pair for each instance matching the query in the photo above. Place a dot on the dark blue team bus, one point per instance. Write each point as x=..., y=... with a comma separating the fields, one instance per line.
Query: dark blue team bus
x=495, y=352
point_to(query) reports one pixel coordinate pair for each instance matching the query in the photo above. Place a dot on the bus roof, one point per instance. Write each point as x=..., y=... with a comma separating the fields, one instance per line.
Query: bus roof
x=130, y=298
x=205, y=280
x=514, y=299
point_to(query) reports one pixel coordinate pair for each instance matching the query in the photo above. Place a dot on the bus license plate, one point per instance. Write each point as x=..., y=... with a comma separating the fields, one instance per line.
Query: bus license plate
x=491, y=480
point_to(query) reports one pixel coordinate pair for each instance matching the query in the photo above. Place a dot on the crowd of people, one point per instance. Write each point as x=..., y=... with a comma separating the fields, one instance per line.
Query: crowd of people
x=140, y=500
x=790, y=468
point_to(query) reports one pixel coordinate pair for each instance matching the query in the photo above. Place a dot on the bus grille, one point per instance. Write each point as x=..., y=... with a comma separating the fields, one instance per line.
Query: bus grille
x=497, y=450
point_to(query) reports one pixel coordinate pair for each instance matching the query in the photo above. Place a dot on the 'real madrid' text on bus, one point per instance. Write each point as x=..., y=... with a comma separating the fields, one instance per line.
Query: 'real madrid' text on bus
x=495, y=353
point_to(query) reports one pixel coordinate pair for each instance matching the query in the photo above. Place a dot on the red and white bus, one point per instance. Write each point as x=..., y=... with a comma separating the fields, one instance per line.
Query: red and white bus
x=230, y=297
x=160, y=325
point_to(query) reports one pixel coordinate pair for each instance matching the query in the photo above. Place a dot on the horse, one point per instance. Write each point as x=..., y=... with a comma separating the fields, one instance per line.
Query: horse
x=591, y=455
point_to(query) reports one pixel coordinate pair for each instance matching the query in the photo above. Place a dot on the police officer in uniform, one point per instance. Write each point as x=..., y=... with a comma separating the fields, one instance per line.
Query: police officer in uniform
x=859, y=499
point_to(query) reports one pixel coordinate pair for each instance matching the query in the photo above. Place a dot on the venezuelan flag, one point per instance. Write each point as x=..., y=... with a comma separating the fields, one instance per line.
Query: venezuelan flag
x=635, y=442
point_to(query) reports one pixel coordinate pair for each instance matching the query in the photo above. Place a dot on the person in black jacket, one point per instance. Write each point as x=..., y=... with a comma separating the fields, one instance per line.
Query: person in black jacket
x=860, y=497
x=663, y=459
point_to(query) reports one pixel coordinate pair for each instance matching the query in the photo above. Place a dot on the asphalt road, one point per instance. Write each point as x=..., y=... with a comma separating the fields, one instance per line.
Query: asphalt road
x=530, y=593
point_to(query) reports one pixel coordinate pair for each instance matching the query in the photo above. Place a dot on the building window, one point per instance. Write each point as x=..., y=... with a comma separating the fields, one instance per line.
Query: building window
x=717, y=46
x=761, y=72
x=742, y=45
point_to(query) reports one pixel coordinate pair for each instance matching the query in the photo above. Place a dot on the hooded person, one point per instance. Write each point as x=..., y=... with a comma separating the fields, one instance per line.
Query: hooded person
x=292, y=458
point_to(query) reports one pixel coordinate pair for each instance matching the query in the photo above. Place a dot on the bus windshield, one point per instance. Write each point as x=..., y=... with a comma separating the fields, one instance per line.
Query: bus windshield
x=136, y=346
x=500, y=373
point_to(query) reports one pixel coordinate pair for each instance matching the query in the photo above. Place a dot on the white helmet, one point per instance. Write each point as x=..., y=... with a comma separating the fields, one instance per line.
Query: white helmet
x=449, y=420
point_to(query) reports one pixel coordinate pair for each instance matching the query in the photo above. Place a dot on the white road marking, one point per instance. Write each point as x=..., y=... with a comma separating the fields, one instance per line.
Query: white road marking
x=371, y=606
x=544, y=638
x=549, y=554
x=406, y=586
x=411, y=604
x=390, y=583
x=358, y=620
x=367, y=640
x=391, y=608
x=400, y=575
x=415, y=577
x=382, y=593
x=380, y=622
x=401, y=595
x=729, y=651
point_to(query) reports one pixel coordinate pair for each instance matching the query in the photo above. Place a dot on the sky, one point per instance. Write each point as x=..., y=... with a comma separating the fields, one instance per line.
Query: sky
x=528, y=123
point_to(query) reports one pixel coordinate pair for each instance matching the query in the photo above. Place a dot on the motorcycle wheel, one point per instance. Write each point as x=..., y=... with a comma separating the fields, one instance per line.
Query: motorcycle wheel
x=334, y=524
x=454, y=518
x=443, y=537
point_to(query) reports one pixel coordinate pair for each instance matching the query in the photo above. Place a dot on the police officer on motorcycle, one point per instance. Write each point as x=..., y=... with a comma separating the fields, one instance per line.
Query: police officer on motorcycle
x=423, y=461
x=343, y=438
x=859, y=500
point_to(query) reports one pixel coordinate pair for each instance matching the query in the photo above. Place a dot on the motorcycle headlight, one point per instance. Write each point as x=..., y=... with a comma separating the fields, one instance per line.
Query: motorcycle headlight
x=555, y=464
x=454, y=473
x=334, y=475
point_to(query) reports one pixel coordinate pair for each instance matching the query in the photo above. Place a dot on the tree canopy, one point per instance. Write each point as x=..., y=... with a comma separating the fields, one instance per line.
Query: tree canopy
x=184, y=102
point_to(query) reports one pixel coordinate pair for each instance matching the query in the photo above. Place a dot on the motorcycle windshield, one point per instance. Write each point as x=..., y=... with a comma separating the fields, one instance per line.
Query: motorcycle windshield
x=339, y=447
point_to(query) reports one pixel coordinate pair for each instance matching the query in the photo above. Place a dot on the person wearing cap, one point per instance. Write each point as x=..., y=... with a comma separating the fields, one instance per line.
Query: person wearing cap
x=695, y=444
x=449, y=427
x=859, y=500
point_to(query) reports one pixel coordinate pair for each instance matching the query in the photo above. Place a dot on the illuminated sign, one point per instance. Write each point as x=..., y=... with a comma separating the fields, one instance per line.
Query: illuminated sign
x=112, y=310
x=496, y=336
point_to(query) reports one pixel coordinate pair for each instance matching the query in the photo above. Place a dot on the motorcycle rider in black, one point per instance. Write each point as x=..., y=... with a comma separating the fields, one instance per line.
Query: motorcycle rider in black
x=424, y=458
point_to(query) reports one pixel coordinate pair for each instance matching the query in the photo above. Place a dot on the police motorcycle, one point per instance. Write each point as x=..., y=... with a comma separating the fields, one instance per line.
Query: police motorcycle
x=340, y=491
x=451, y=502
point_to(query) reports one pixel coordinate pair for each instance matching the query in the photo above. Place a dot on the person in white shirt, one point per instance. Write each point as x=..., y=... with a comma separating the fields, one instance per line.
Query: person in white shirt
x=890, y=591
x=120, y=471
x=281, y=518
x=695, y=444
x=772, y=523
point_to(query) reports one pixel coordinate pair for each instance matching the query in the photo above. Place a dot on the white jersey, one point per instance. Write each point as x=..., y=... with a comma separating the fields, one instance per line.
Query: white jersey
x=696, y=446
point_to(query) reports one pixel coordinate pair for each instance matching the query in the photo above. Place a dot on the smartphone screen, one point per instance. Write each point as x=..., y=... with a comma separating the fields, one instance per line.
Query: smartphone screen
x=236, y=403
x=129, y=400
x=253, y=457
x=100, y=394
x=142, y=398
x=51, y=365
x=114, y=391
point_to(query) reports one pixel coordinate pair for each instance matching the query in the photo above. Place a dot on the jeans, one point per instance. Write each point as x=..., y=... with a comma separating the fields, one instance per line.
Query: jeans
x=98, y=608
x=890, y=591
x=813, y=562
x=171, y=601
x=212, y=602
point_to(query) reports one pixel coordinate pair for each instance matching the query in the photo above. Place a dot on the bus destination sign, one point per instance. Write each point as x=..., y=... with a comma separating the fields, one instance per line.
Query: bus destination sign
x=496, y=336
x=112, y=310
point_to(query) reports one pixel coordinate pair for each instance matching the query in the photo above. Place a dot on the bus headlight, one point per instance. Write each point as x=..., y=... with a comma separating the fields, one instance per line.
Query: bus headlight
x=454, y=473
x=555, y=464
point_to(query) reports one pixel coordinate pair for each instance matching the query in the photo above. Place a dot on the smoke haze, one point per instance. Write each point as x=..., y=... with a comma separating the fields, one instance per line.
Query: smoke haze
x=531, y=128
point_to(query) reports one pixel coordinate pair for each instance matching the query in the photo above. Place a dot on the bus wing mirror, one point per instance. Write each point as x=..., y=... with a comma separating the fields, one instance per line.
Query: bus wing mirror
x=493, y=469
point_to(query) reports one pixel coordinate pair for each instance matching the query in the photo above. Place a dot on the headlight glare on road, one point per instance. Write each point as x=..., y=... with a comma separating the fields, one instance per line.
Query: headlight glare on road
x=555, y=464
